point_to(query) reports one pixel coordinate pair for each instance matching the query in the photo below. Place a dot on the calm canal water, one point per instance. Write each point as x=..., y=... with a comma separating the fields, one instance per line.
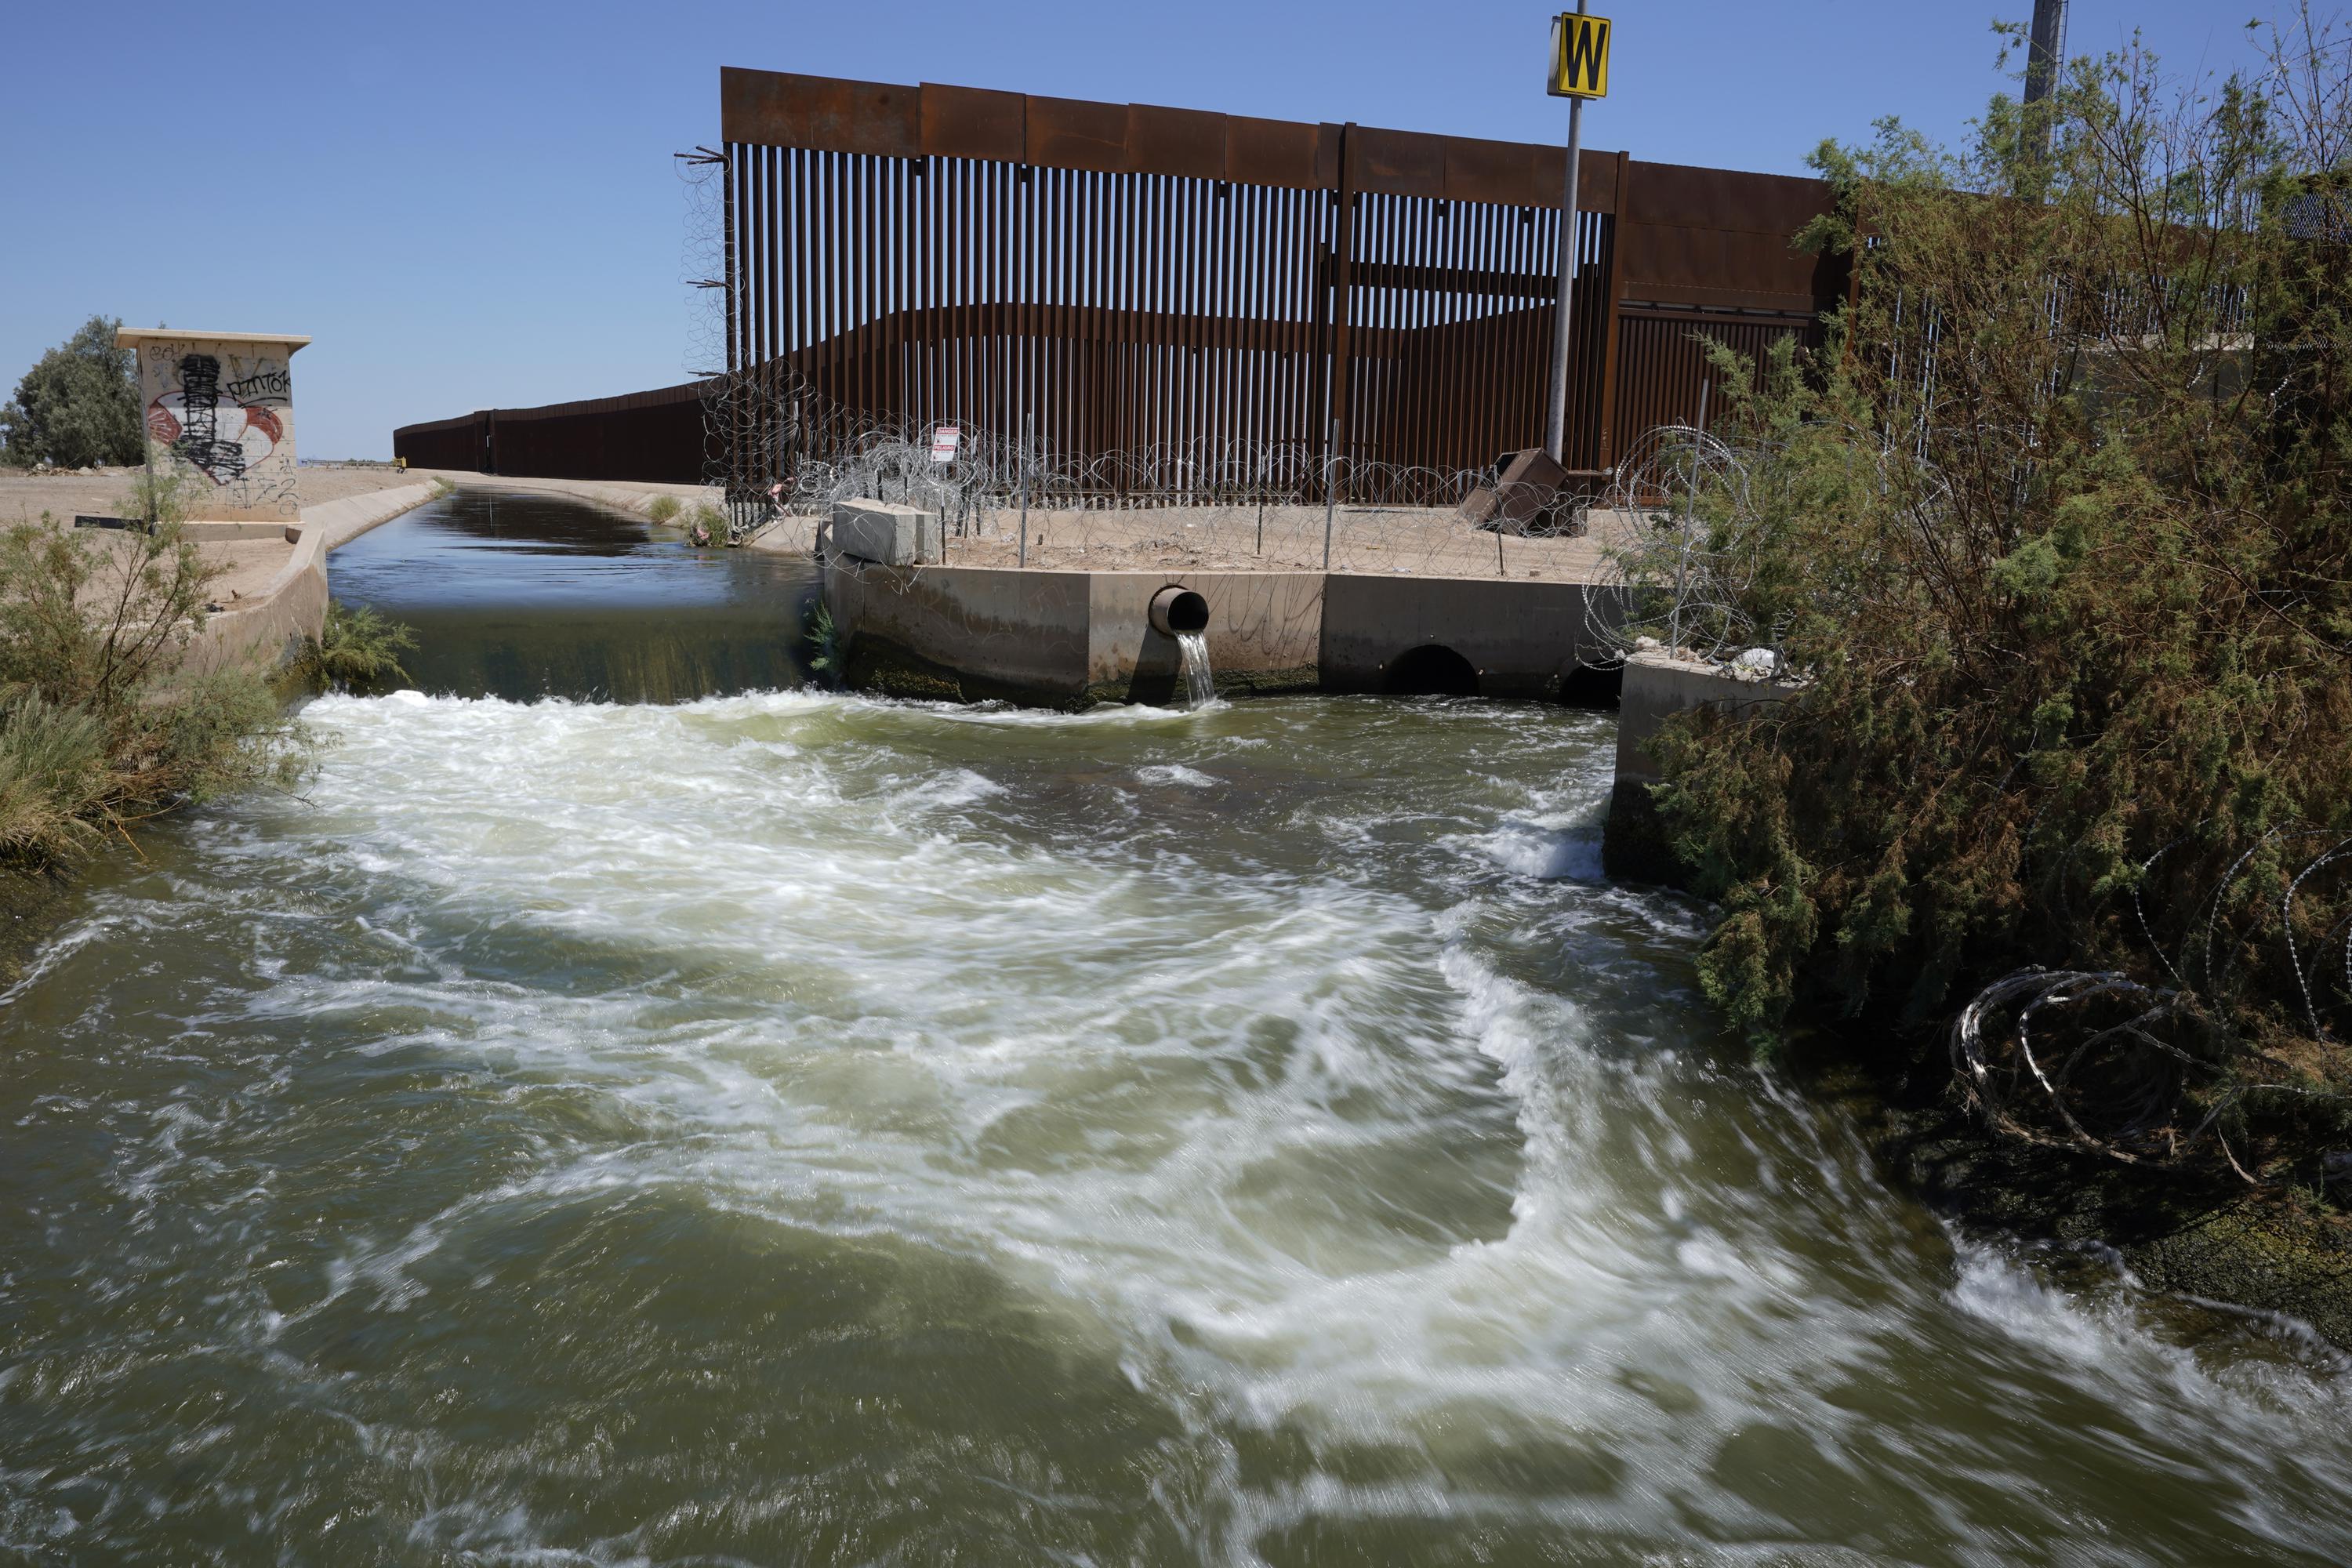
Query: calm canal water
x=523, y=596
x=781, y=1127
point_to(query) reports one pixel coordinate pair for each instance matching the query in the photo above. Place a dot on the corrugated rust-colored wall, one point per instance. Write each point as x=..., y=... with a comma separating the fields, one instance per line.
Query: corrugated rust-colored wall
x=1146, y=281
x=653, y=436
x=1174, y=295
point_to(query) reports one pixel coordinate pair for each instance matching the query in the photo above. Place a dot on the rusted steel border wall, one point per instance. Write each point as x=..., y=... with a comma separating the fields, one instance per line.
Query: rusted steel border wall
x=656, y=436
x=1179, y=298
x=1186, y=291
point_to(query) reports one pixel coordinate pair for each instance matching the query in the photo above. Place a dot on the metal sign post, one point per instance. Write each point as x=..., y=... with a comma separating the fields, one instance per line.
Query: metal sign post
x=1579, y=70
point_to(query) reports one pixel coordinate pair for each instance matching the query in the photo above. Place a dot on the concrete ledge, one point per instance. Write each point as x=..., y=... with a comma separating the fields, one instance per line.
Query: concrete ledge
x=1657, y=687
x=1635, y=844
x=338, y=523
x=888, y=534
x=1061, y=639
x=622, y=495
x=206, y=532
x=271, y=624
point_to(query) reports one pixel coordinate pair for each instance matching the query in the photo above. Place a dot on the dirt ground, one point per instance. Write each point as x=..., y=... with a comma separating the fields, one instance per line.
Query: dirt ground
x=246, y=565
x=27, y=493
x=1424, y=541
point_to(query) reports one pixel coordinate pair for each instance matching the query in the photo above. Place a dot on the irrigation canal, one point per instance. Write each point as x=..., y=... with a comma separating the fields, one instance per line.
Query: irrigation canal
x=780, y=1126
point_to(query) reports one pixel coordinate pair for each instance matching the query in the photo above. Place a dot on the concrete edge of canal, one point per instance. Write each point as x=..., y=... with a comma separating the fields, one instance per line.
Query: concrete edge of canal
x=1071, y=639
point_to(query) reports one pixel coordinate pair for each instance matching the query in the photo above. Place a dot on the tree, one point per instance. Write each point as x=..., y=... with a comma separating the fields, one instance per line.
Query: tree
x=78, y=406
x=2057, y=531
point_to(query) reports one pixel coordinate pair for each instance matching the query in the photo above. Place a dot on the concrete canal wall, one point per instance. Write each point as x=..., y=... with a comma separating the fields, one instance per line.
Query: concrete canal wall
x=269, y=623
x=268, y=626
x=1062, y=639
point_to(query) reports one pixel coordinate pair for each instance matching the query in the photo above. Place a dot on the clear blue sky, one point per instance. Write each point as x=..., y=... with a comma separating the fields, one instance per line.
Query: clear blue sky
x=471, y=207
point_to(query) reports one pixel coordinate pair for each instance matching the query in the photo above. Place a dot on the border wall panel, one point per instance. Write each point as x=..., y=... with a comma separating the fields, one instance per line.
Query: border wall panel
x=1170, y=296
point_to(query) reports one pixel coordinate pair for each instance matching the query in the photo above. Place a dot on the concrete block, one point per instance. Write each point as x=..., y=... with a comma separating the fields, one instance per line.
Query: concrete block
x=888, y=532
x=1658, y=687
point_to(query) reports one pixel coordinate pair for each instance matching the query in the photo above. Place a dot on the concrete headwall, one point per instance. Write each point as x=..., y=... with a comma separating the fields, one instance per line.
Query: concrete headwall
x=1265, y=632
x=1523, y=639
x=961, y=633
x=1064, y=637
x=1655, y=689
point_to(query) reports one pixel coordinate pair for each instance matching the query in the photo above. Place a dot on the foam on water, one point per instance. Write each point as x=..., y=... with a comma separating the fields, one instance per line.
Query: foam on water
x=1380, y=1148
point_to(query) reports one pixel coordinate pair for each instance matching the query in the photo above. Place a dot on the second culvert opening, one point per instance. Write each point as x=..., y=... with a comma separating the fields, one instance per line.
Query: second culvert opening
x=1431, y=670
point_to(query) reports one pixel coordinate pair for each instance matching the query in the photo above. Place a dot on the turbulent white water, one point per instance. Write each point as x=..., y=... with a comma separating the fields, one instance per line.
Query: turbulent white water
x=1256, y=1135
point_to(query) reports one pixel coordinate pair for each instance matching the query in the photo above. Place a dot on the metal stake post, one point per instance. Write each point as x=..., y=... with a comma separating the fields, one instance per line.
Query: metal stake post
x=1024, y=488
x=1330, y=490
x=1556, y=412
x=1682, y=556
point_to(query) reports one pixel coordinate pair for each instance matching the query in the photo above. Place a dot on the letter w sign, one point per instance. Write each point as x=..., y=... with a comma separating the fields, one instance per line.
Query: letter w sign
x=1580, y=55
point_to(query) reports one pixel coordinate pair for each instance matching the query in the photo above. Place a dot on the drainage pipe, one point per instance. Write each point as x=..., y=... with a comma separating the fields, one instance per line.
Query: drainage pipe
x=1177, y=608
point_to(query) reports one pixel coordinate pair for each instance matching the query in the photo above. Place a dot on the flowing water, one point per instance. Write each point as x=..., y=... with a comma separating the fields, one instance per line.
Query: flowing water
x=783, y=1127
x=524, y=596
x=1200, y=681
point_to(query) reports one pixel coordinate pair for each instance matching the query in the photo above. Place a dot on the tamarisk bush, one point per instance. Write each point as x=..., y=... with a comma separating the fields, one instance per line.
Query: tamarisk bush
x=2055, y=532
x=103, y=719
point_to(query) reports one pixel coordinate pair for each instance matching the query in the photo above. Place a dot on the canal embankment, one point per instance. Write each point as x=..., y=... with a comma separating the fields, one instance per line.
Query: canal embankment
x=270, y=586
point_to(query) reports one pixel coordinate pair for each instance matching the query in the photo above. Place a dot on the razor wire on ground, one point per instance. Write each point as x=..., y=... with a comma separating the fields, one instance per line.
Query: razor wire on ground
x=783, y=451
x=2142, y=1072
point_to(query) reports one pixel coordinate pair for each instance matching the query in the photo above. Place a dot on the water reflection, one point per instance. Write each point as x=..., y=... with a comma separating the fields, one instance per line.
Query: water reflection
x=522, y=596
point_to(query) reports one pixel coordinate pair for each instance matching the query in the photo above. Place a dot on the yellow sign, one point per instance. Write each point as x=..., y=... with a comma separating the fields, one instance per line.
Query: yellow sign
x=1579, y=57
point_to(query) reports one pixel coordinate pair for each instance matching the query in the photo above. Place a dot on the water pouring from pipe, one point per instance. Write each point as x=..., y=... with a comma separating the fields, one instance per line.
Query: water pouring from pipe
x=1182, y=613
x=1200, y=682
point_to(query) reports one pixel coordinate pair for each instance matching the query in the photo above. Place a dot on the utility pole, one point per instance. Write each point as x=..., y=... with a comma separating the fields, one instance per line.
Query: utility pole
x=2044, y=53
x=1579, y=70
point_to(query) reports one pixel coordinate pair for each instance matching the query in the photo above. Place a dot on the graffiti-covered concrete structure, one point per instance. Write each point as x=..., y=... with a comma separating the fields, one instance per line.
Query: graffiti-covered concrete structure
x=222, y=404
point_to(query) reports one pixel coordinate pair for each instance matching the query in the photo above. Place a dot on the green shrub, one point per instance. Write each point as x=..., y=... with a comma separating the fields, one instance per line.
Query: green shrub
x=53, y=778
x=823, y=640
x=664, y=508
x=101, y=721
x=2057, y=529
x=359, y=653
